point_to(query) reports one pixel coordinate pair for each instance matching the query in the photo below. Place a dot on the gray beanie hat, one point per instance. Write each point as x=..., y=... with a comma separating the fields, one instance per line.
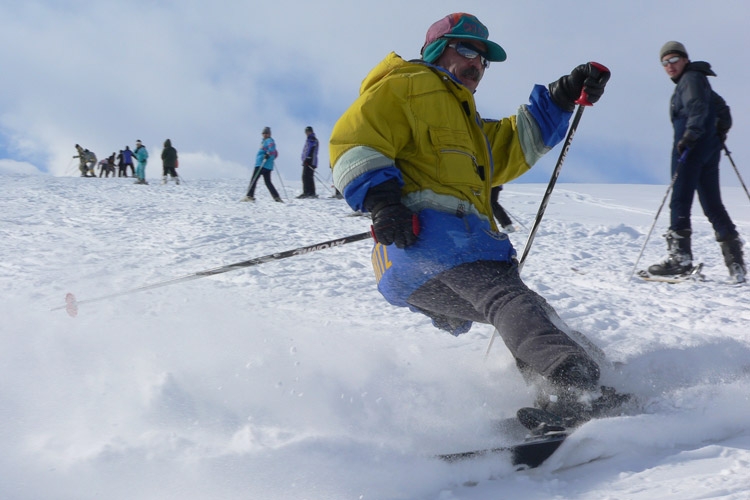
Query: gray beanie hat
x=266, y=130
x=672, y=48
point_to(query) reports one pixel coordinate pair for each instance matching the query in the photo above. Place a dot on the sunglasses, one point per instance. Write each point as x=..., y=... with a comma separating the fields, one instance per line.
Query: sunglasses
x=671, y=60
x=470, y=52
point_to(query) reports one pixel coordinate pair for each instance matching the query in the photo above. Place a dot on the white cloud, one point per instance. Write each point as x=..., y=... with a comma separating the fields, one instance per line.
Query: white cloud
x=17, y=167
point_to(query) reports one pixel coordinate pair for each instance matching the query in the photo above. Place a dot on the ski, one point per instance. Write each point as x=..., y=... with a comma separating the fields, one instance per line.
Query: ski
x=529, y=454
x=540, y=432
x=692, y=275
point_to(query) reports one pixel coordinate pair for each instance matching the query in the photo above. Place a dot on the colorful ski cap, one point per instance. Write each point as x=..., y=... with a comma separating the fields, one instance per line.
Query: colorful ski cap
x=462, y=26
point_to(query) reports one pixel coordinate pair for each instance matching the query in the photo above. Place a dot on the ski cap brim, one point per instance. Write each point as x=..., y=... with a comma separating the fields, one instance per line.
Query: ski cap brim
x=462, y=26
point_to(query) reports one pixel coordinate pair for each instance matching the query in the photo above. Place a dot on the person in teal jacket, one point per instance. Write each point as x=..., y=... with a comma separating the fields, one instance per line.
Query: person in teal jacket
x=263, y=167
x=141, y=155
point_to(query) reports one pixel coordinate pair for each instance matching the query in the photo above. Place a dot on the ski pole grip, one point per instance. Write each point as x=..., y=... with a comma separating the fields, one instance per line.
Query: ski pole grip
x=683, y=157
x=583, y=100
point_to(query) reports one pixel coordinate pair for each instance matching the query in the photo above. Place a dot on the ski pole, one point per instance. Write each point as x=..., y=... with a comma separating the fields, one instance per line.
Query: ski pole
x=278, y=174
x=726, y=150
x=656, y=217
x=71, y=303
x=321, y=181
x=254, y=178
x=582, y=102
x=516, y=219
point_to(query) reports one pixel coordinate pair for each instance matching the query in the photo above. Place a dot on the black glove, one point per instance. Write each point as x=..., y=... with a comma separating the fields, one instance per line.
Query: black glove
x=722, y=135
x=684, y=144
x=392, y=221
x=265, y=156
x=307, y=162
x=589, y=77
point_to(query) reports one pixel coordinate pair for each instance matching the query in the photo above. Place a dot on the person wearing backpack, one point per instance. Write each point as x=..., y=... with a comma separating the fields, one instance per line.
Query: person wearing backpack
x=169, y=162
x=87, y=161
x=141, y=154
x=264, y=166
x=701, y=120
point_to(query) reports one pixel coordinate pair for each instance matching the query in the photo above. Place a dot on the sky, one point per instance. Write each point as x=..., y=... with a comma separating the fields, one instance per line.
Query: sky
x=210, y=75
x=295, y=380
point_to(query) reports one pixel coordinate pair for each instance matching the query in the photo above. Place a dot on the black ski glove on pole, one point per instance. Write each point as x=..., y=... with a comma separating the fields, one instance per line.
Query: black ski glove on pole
x=392, y=221
x=585, y=77
x=685, y=143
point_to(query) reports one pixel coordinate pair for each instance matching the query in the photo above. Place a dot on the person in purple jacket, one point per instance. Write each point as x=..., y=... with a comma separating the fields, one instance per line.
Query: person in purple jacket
x=127, y=160
x=309, y=164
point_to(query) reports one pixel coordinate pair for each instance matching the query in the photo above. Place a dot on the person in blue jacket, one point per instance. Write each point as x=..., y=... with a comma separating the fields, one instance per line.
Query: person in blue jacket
x=701, y=120
x=127, y=161
x=264, y=166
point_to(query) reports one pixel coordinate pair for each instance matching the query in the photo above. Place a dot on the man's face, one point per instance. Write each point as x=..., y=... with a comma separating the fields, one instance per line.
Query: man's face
x=468, y=71
x=674, y=64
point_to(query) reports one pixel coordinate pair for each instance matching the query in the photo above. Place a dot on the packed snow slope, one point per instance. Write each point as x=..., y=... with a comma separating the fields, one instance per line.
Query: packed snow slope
x=294, y=379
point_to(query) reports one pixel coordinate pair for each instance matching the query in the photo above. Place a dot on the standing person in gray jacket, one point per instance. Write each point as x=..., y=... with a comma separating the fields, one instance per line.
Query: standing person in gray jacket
x=701, y=120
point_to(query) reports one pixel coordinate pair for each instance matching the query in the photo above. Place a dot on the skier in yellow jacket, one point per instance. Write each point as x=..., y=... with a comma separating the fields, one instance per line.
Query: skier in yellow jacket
x=413, y=151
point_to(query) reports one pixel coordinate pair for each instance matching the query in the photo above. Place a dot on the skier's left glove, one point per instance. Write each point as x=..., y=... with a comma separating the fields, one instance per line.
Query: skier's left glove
x=722, y=134
x=587, y=77
x=392, y=221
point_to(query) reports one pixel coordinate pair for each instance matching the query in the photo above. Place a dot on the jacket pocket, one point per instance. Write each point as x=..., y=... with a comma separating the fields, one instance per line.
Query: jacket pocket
x=456, y=164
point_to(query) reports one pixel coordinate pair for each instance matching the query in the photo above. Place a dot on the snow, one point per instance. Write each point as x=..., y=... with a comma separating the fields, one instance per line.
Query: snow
x=294, y=379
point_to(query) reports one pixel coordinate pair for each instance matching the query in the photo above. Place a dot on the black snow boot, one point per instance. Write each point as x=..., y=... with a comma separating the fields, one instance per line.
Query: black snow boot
x=679, y=256
x=567, y=387
x=732, y=251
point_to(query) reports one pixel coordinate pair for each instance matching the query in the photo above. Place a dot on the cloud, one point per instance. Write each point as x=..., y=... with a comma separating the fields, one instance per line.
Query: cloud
x=17, y=167
x=210, y=75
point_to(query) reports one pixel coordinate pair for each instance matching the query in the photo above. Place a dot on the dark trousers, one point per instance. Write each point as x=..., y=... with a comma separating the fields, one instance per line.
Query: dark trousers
x=497, y=209
x=492, y=292
x=168, y=170
x=266, y=174
x=703, y=178
x=308, y=180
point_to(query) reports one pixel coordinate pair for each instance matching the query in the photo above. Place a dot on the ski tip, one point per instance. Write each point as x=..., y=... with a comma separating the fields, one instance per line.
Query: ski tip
x=71, y=305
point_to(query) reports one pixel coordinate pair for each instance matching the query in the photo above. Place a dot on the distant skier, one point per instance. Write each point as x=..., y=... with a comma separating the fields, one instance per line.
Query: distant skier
x=309, y=164
x=127, y=160
x=86, y=161
x=141, y=154
x=169, y=162
x=263, y=167
x=121, y=167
